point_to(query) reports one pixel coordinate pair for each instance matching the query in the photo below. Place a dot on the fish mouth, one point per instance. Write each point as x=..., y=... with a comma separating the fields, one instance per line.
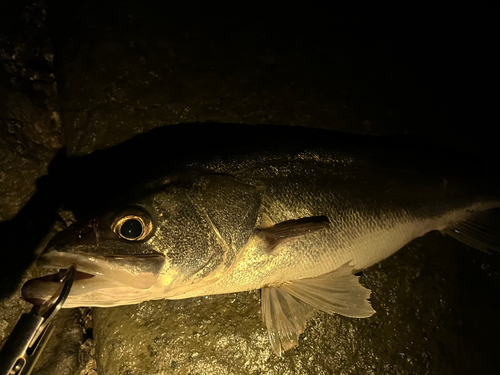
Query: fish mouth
x=40, y=289
x=137, y=271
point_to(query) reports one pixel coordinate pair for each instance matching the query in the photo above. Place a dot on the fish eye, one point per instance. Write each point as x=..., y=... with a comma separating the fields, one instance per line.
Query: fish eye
x=132, y=225
x=131, y=229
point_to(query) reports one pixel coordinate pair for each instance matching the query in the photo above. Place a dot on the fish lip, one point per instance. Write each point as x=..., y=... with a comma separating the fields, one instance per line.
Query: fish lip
x=139, y=271
x=40, y=289
x=100, y=278
x=32, y=290
x=56, y=277
x=89, y=276
x=60, y=260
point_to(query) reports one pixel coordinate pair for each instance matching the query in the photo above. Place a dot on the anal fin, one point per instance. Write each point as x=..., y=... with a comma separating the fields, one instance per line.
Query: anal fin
x=285, y=309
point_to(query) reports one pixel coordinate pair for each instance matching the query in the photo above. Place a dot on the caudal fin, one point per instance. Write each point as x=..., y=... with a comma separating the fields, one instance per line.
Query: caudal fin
x=480, y=230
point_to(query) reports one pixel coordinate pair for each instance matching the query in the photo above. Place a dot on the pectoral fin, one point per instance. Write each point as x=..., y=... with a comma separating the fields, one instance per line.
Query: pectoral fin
x=337, y=292
x=285, y=317
x=285, y=310
x=275, y=234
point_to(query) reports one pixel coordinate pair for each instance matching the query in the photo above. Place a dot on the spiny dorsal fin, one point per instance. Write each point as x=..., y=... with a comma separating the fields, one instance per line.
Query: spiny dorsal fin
x=280, y=232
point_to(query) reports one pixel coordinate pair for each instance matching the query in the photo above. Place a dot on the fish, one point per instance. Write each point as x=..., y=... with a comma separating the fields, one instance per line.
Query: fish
x=297, y=221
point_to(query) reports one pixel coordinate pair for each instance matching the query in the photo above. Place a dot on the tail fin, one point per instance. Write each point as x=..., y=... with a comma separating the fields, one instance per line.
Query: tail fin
x=480, y=230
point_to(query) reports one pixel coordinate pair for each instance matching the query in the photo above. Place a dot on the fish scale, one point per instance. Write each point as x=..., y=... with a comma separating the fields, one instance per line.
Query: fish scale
x=297, y=224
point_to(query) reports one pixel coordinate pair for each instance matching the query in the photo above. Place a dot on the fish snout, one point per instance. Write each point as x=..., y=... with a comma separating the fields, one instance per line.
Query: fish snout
x=81, y=235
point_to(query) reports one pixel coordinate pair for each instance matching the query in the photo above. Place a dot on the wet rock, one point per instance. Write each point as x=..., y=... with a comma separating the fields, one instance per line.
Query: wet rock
x=87, y=358
x=147, y=73
x=29, y=111
x=62, y=353
x=29, y=139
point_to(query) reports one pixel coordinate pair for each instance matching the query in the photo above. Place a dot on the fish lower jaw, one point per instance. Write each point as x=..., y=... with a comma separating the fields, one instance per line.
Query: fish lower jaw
x=40, y=289
x=88, y=291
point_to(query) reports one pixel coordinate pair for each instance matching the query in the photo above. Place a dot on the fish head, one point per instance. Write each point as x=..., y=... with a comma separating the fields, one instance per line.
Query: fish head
x=157, y=242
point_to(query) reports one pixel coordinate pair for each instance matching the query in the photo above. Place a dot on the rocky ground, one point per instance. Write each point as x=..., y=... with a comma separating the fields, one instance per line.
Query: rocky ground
x=91, y=75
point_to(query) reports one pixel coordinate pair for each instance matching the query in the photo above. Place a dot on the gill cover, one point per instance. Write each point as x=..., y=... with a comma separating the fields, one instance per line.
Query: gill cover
x=204, y=223
x=231, y=207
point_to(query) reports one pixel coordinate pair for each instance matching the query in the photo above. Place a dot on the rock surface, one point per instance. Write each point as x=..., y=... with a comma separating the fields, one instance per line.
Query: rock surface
x=123, y=69
x=29, y=110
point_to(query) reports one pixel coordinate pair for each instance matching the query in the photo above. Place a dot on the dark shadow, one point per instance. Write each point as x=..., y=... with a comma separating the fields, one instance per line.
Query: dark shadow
x=21, y=235
x=90, y=181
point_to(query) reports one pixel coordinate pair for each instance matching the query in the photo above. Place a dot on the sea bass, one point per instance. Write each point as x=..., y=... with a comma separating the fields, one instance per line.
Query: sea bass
x=296, y=222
